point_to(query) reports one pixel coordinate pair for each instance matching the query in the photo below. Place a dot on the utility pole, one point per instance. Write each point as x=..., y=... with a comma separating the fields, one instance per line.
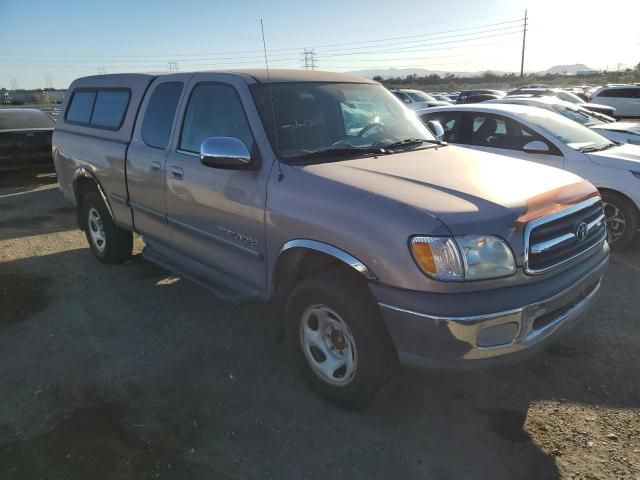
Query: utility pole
x=309, y=57
x=14, y=83
x=524, y=41
x=47, y=81
x=173, y=67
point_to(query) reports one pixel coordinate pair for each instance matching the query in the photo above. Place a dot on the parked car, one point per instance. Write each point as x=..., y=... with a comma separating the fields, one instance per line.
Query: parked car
x=416, y=100
x=25, y=139
x=624, y=98
x=567, y=97
x=465, y=94
x=621, y=132
x=541, y=136
x=481, y=97
x=373, y=244
x=441, y=97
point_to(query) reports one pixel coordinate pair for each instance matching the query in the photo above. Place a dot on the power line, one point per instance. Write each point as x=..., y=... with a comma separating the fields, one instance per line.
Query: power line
x=350, y=44
x=397, y=49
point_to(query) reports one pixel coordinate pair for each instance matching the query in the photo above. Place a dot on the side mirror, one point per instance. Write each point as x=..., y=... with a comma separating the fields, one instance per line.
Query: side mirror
x=436, y=127
x=536, y=146
x=224, y=152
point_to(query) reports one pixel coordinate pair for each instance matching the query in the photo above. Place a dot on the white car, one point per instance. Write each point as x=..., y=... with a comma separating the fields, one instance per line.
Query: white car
x=417, y=100
x=624, y=98
x=621, y=132
x=530, y=133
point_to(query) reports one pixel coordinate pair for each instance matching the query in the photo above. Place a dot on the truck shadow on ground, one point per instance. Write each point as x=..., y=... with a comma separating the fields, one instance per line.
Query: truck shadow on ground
x=130, y=372
x=36, y=212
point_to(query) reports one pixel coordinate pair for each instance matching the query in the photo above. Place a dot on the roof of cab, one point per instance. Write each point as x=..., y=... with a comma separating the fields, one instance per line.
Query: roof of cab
x=258, y=75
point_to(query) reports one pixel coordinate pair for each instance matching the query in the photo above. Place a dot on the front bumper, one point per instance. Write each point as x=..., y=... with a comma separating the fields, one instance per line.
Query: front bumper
x=462, y=341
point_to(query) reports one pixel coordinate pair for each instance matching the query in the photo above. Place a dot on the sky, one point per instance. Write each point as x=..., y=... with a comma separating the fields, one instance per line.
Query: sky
x=55, y=42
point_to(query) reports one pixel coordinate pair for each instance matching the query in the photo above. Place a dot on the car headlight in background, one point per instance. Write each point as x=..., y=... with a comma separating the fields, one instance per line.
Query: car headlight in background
x=469, y=257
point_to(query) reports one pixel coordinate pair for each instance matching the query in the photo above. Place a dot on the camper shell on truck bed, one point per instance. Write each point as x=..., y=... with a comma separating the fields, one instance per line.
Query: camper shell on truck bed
x=372, y=239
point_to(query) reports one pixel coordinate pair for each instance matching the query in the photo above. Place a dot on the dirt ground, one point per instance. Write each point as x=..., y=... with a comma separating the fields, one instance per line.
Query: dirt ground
x=128, y=372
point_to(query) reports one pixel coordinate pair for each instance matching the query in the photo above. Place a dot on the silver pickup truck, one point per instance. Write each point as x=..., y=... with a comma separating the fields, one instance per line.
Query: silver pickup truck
x=322, y=193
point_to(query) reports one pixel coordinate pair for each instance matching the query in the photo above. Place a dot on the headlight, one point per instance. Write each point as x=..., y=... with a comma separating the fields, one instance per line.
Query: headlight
x=470, y=257
x=486, y=256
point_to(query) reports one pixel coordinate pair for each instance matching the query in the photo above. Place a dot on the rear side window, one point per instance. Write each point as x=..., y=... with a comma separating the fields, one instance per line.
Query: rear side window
x=214, y=110
x=158, y=119
x=81, y=107
x=102, y=108
x=110, y=108
x=621, y=93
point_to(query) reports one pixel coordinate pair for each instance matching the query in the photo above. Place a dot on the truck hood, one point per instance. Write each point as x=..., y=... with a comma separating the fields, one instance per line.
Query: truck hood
x=468, y=190
x=624, y=156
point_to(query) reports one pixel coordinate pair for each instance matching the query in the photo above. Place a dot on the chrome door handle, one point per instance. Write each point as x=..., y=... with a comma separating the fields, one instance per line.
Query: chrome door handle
x=177, y=173
x=155, y=167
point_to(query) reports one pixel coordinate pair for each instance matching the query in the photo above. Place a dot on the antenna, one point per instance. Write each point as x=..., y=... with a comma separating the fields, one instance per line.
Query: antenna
x=273, y=108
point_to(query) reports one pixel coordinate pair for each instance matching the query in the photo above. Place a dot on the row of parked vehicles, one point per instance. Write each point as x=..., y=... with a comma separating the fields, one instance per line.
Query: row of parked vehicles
x=613, y=101
x=374, y=239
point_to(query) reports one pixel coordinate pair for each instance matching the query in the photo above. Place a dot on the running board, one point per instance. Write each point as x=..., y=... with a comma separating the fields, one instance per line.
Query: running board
x=222, y=285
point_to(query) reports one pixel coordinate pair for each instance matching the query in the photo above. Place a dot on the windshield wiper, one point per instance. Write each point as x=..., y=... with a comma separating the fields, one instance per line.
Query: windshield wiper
x=413, y=141
x=597, y=149
x=340, y=152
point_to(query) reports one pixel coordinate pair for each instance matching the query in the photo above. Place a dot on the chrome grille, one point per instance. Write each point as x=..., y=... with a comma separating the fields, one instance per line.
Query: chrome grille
x=562, y=236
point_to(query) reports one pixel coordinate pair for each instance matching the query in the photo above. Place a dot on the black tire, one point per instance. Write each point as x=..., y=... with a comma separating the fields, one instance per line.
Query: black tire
x=345, y=294
x=615, y=202
x=117, y=245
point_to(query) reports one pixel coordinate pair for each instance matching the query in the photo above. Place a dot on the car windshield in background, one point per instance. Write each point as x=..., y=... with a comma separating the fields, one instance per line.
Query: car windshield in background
x=580, y=116
x=16, y=119
x=569, y=97
x=419, y=96
x=569, y=132
x=312, y=118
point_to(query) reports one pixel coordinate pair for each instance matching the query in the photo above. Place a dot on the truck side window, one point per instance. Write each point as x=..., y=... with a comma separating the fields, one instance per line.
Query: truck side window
x=81, y=107
x=110, y=107
x=214, y=110
x=158, y=119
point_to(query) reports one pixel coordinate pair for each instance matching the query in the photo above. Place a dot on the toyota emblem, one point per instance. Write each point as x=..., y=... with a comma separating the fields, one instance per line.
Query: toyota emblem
x=581, y=231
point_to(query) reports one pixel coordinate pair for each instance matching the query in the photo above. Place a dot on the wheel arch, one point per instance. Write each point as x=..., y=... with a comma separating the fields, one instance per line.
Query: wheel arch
x=85, y=181
x=300, y=258
x=622, y=194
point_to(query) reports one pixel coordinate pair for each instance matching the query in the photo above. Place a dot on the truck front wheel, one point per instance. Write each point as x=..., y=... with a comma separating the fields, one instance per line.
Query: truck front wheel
x=109, y=243
x=337, y=338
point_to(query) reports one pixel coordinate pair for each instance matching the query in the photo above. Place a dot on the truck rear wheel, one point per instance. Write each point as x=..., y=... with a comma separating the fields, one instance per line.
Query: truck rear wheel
x=338, y=340
x=109, y=243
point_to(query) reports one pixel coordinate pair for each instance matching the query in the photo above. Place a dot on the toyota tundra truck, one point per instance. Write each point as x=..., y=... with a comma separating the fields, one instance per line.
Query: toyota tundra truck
x=322, y=194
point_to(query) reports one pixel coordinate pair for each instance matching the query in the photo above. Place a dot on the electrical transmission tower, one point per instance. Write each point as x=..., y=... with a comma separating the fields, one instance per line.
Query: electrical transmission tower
x=102, y=70
x=309, y=58
x=173, y=66
x=47, y=81
x=14, y=83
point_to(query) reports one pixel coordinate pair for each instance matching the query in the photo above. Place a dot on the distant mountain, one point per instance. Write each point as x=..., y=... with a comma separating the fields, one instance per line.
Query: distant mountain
x=421, y=72
x=567, y=69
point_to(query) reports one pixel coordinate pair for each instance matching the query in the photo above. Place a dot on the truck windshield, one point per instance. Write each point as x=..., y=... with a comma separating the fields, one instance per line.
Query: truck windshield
x=316, y=117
